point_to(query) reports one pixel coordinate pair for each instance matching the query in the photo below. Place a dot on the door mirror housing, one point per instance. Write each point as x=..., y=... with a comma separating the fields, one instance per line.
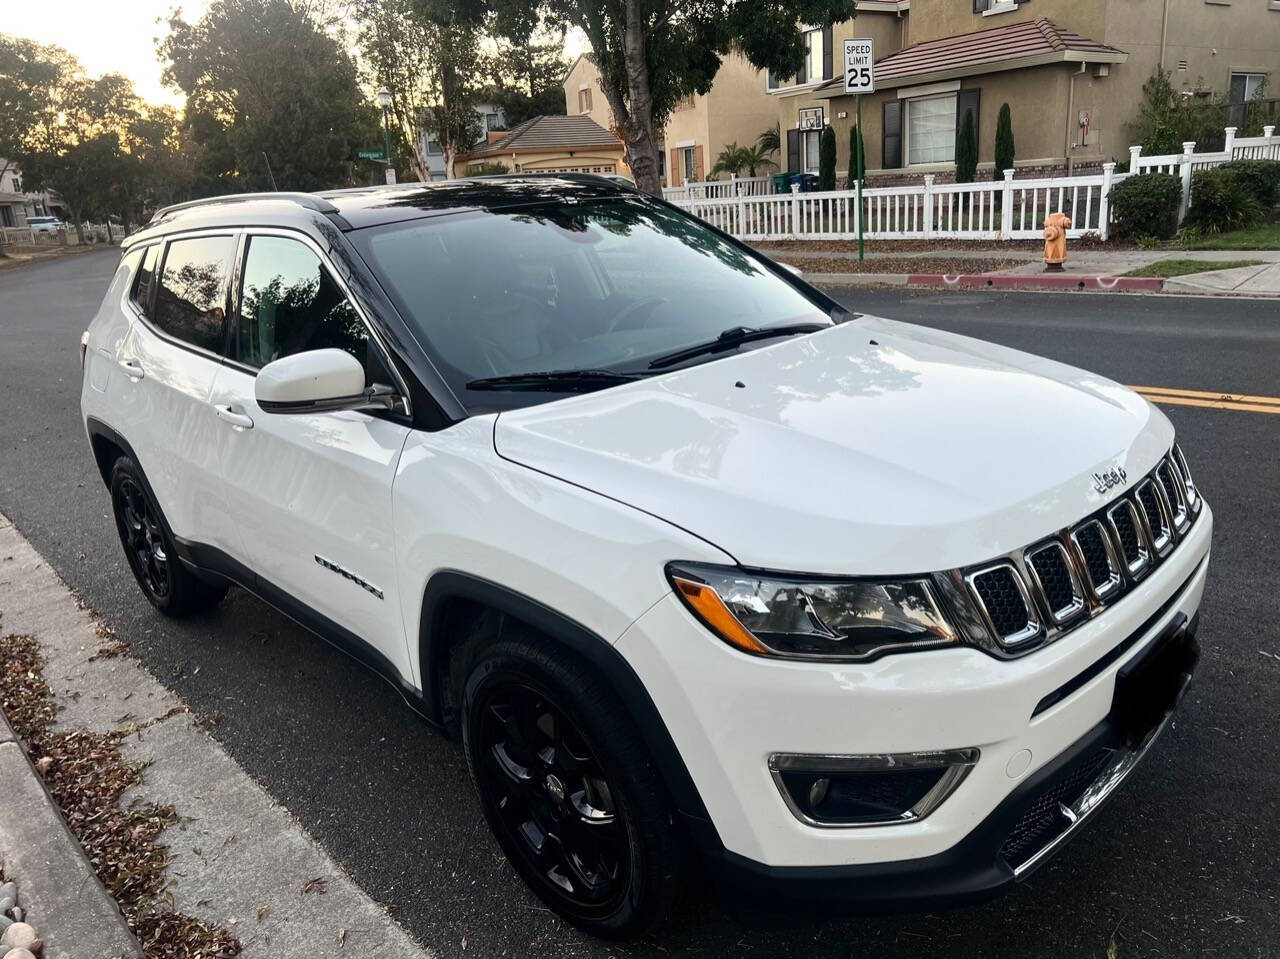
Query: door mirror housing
x=318, y=381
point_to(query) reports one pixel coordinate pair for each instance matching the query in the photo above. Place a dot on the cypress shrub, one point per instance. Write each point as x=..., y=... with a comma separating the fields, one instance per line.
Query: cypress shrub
x=1004, y=143
x=827, y=159
x=855, y=142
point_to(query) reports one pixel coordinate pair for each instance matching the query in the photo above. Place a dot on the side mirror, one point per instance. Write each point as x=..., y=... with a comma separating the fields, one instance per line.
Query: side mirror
x=793, y=270
x=318, y=381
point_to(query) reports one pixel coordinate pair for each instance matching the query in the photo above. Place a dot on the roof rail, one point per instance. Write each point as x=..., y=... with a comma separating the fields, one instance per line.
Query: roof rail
x=306, y=200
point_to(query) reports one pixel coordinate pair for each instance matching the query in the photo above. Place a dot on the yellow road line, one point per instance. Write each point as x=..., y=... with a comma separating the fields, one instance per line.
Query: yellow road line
x=1207, y=395
x=1214, y=401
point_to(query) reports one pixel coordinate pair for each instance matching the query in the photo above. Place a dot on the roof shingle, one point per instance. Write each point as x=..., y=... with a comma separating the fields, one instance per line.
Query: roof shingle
x=1032, y=41
x=551, y=133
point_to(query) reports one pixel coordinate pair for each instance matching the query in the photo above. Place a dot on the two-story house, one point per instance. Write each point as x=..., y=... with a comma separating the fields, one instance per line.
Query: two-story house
x=737, y=109
x=1070, y=70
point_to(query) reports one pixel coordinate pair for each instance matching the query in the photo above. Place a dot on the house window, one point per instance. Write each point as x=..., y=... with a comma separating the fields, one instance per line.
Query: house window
x=1246, y=86
x=6, y=216
x=685, y=103
x=811, y=143
x=433, y=148
x=813, y=55
x=584, y=100
x=931, y=129
x=687, y=160
x=17, y=185
x=491, y=122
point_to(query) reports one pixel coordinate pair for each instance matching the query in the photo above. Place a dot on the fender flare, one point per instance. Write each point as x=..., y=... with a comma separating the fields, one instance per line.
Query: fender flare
x=449, y=585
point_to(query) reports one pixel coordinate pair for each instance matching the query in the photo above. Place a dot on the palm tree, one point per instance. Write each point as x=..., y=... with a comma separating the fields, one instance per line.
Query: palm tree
x=769, y=141
x=731, y=159
x=756, y=156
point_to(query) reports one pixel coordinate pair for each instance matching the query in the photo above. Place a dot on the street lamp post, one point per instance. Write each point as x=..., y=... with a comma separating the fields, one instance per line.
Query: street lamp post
x=384, y=101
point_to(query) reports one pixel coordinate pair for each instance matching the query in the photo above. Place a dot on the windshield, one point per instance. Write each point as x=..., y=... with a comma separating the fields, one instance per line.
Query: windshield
x=605, y=284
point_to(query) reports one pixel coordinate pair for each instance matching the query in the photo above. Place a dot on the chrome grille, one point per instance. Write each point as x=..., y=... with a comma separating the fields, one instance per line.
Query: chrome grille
x=1033, y=597
x=1006, y=604
x=1052, y=572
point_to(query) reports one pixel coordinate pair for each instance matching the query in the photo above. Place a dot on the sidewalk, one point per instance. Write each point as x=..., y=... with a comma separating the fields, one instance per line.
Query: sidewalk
x=235, y=858
x=1085, y=269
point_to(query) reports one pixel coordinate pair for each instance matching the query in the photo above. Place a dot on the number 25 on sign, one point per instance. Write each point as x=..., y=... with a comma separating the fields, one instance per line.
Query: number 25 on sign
x=859, y=76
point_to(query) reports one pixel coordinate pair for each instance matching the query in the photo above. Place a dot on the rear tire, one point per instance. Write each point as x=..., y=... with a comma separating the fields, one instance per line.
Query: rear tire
x=168, y=585
x=567, y=786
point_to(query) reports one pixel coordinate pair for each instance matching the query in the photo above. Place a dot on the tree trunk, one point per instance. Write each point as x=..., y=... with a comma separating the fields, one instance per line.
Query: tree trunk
x=642, y=148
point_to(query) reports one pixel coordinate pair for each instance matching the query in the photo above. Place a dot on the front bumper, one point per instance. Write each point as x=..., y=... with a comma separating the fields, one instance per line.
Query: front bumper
x=1032, y=718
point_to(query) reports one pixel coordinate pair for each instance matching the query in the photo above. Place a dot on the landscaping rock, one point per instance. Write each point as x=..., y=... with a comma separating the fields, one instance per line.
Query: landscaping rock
x=5, y=923
x=19, y=954
x=9, y=891
x=7, y=903
x=18, y=936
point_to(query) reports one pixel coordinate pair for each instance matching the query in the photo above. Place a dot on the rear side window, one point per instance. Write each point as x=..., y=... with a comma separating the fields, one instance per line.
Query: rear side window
x=146, y=285
x=191, y=298
x=290, y=304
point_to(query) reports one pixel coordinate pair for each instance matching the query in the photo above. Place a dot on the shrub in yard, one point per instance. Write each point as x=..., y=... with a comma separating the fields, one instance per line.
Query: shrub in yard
x=1004, y=143
x=856, y=149
x=827, y=159
x=1146, y=205
x=1220, y=201
x=487, y=168
x=1259, y=178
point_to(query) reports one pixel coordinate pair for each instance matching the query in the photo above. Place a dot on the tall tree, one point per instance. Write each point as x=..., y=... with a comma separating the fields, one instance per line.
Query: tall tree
x=650, y=53
x=398, y=45
x=270, y=91
x=526, y=76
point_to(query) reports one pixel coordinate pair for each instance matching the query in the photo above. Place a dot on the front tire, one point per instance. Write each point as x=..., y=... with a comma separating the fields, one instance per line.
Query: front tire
x=568, y=787
x=168, y=585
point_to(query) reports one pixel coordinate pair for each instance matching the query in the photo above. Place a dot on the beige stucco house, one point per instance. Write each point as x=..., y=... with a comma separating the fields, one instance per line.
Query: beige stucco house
x=1070, y=70
x=736, y=110
x=552, y=144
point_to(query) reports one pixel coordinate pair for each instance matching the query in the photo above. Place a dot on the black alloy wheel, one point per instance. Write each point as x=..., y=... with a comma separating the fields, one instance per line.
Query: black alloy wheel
x=169, y=586
x=143, y=539
x=554, y=801
x=566, y=783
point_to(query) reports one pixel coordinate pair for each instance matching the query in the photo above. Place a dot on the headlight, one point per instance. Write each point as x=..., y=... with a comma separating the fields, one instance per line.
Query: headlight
x=771, y=614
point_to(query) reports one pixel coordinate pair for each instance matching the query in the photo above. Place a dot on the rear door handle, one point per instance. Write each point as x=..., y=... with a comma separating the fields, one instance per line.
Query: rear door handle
x=133, y=368
x=234, y=417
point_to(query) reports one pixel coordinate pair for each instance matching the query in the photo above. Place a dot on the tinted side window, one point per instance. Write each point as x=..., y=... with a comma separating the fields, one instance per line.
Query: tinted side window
x=145, y=287
x=191, y=299
x=290, y=304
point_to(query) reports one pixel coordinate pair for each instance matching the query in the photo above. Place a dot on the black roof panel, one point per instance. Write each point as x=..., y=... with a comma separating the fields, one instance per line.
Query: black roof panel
x=371, y=206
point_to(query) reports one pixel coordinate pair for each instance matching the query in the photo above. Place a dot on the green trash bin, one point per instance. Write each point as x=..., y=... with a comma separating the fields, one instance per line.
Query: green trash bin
x=782, y=183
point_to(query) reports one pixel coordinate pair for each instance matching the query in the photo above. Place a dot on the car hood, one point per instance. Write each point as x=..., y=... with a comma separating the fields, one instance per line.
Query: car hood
x=874, y=447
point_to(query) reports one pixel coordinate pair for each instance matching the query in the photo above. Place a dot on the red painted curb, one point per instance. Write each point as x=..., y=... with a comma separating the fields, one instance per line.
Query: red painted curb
x=1040, y=281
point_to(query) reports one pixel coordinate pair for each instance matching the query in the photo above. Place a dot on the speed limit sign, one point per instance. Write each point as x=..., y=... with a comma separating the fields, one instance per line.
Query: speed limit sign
x=859, y=75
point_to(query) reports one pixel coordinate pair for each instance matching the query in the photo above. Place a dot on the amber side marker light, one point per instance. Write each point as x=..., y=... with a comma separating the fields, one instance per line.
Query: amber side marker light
x=707, y=605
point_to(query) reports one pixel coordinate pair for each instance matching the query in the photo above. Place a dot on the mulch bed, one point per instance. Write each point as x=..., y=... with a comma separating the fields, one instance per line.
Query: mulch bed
x=86, y=776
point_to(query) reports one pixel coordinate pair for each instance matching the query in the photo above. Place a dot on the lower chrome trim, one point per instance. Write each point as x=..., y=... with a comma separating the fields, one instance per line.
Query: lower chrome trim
x=1111, y=776
x=347, y=574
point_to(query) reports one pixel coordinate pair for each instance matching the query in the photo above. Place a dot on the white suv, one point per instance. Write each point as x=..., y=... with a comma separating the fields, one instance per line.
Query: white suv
x=702, y=567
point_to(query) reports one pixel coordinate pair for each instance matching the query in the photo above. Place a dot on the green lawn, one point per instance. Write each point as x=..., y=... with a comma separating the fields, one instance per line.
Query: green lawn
x=1167, y=268
x=1264, y=236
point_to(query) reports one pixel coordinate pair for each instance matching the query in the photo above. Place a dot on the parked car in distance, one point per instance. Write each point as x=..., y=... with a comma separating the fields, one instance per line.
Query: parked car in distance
x=696, y=562
x=45, y=224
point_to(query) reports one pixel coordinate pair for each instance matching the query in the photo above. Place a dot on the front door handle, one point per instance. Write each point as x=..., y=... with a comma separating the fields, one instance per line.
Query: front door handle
x=234, y=417
x=133, y=368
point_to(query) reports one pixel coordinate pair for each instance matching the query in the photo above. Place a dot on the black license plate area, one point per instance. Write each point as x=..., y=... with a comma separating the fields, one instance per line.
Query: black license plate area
x=1149, y=687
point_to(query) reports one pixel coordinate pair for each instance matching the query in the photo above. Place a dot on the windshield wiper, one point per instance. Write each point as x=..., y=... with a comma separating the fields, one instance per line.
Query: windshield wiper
x=555, y=381
x=733, y=337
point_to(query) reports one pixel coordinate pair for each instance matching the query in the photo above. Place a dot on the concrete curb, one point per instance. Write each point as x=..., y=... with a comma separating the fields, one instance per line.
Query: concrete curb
x=70, y=908
x=857, y=279
x=1056, y=282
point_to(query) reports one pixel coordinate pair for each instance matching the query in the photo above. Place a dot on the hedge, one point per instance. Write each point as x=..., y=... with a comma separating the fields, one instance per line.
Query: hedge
x=1146, y=205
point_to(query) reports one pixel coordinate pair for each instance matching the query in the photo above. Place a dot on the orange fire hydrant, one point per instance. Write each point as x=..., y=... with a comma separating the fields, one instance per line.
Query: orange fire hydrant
x=1055, y=240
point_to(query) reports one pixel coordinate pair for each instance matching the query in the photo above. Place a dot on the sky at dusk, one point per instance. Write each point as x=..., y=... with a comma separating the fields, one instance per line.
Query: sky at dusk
x=116, y=36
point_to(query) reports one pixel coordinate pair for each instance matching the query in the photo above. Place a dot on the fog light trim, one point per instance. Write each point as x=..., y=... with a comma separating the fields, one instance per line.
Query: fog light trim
x=955, y=764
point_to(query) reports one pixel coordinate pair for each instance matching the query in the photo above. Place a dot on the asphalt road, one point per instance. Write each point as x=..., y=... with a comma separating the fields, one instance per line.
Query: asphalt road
x=1184, y=861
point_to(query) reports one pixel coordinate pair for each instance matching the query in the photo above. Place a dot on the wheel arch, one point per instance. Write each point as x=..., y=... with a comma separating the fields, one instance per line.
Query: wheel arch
x=448, y=592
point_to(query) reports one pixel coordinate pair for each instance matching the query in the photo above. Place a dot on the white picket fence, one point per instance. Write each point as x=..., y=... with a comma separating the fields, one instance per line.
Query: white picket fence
x=1006, y=209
